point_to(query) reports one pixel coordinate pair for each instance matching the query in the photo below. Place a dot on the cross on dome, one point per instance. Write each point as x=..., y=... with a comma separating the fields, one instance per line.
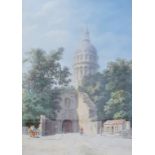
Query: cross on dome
x=86, y=34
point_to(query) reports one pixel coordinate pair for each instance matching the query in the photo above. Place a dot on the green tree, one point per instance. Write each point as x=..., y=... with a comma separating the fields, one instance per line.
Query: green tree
x=119, y=105
x=113, y=84
x=118, y=76
x=42, y=83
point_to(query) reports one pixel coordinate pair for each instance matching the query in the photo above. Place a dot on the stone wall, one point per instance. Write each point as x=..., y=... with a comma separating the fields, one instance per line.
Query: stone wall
x=25, y=130
x=86, y=119
x=50, y=127
x=78, y=110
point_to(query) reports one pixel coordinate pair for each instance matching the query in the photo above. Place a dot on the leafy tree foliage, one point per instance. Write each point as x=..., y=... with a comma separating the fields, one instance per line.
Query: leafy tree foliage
x=42, y=84
x=111, y=90
x=119, y=105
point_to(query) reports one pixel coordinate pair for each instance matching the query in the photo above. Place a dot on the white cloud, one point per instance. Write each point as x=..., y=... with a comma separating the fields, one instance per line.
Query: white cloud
x=47, y=8
x=29, y=28
x=53, y=9
x=112, y=40
x=57, y=37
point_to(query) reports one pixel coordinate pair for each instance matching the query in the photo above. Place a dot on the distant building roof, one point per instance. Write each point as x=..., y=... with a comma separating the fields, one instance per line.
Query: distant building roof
x=115, y=122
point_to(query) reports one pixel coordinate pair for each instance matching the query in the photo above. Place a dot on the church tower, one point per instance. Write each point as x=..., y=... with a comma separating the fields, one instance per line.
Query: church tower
x=85, y=60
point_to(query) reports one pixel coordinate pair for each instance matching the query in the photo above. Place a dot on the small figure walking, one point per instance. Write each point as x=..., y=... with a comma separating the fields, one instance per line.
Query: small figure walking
x=81, y=131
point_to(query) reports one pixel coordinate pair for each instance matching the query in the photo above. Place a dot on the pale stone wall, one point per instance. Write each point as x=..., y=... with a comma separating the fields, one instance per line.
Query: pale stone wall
x=42, y=125
x=85, y=121
x=128, y=125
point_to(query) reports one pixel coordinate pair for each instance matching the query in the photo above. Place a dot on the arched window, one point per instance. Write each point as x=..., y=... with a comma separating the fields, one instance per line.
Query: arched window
x=87, y=56
x=91, y=57
x=81, y=71
x=76, y=59
x=86, y=70
x=91, y=70
x=81, y=57
x=67, y=103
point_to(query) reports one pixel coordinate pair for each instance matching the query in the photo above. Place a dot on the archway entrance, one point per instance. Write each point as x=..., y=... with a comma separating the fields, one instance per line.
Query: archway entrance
x=67, y=126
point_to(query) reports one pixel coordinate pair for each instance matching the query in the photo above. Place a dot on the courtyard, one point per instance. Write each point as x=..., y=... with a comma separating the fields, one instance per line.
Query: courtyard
x=76, y=144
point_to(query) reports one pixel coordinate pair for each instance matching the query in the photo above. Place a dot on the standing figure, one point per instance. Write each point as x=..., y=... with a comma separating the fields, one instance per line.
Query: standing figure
x=81, y=131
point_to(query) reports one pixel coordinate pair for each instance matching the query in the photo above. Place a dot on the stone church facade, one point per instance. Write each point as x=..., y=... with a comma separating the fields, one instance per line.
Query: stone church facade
x=77, y=110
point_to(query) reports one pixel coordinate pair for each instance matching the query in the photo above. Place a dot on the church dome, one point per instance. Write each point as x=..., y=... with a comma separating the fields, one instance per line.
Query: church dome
x=86, y=52
x=85, y=47
x=85, y=60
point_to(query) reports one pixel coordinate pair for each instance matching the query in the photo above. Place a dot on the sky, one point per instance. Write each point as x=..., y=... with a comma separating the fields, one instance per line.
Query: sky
x=50, y=24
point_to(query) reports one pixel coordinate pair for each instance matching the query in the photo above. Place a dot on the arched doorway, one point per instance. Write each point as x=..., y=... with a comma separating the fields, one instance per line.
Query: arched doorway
x=67, y=126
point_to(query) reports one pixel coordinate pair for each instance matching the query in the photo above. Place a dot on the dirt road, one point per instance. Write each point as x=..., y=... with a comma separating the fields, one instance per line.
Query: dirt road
x=75, y=144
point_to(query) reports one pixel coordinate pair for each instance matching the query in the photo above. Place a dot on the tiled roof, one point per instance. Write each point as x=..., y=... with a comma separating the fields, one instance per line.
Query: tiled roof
x=114, y=122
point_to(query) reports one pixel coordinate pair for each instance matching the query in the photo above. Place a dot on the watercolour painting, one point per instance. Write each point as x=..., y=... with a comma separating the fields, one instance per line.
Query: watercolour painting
x=77, y=77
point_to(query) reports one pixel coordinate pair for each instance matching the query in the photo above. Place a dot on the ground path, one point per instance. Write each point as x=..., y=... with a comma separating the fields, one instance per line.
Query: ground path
x=75, y=144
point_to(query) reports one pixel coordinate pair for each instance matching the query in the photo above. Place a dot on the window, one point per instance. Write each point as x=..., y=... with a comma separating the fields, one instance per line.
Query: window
x=81, y=57
x=67, y=103
x=87, y=57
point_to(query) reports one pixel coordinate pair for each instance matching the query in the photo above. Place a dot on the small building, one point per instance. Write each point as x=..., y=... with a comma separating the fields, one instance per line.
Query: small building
x=116, y=126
